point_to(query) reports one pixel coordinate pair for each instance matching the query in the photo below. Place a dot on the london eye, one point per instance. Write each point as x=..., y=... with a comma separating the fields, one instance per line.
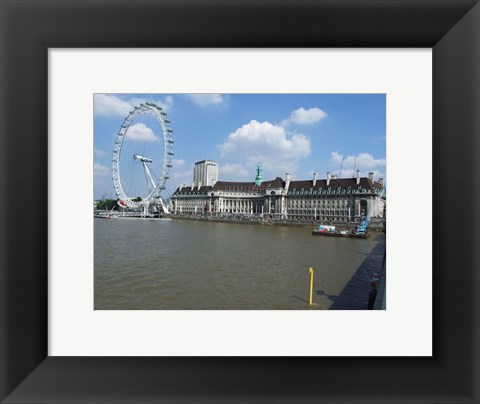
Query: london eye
x=142, y=158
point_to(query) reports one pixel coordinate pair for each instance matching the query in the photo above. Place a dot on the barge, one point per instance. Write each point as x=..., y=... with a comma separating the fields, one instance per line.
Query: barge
x=330, y=231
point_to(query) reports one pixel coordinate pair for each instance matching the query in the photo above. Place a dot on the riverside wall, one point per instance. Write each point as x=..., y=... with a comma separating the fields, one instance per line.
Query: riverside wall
x=373, y=227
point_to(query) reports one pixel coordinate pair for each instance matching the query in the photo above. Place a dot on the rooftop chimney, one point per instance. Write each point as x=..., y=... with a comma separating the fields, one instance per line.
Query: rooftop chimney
x=380, y=181
x=314, y=178
x=328, y=178
x=358, y=177
x=288, y=178
x=370, y=175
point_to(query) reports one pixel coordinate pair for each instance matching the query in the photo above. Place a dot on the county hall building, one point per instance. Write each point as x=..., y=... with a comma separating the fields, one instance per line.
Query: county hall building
x=328, y=200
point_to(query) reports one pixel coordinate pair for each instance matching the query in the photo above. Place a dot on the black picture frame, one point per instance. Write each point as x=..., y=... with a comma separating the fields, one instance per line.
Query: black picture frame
x=29, y=28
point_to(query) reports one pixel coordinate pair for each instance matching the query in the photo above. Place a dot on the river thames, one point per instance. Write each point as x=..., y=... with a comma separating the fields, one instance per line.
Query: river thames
x=202, y=265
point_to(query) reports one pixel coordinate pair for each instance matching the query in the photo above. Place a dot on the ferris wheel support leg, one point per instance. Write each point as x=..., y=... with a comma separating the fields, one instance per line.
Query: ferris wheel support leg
x=148, y=177
x=161, y=205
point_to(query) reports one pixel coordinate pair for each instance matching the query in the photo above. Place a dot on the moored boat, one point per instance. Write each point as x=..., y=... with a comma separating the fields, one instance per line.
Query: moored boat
x=330, y=231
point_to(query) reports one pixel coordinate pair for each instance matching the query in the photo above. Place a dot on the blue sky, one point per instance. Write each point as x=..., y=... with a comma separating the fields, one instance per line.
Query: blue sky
x=295, y=133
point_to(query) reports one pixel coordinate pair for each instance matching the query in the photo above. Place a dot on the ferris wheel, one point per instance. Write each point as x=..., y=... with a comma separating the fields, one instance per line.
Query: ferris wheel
x=142, y=158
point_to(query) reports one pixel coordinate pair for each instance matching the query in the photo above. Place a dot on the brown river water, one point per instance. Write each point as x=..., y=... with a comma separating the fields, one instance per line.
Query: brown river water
x=201, y=265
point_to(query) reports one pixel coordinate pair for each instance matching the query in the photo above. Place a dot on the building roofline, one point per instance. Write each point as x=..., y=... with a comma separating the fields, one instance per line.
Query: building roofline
x=278, y=182
x=204, y=161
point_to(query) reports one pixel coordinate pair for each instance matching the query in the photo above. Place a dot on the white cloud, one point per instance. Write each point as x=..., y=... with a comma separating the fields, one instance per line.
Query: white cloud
x=364, y=162
x=99, y=169
x=141, y=132
x=166, y=104
x=184, y=176
x=351, y=173
x=179, y=176
x=111, y=105
x=178, y=162
x=98, y=152
x=263, y=139
x=208, y=99
x=236, y=171
x=302, y=116
x=265, y=143
x=336, y=158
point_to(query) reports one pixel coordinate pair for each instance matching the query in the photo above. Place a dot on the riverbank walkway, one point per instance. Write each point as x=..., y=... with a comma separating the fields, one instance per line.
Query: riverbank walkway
x=355, y=294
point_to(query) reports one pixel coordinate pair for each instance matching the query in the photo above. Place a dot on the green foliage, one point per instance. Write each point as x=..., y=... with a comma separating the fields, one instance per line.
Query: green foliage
x=107, y=204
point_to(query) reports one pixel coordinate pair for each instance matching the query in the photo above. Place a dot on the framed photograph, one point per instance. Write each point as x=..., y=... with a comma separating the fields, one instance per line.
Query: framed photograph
x=180, y=237
x=66, y=64
x=255, y=286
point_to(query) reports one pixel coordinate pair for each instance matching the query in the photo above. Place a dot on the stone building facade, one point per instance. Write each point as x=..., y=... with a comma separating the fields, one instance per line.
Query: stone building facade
x=329, y=200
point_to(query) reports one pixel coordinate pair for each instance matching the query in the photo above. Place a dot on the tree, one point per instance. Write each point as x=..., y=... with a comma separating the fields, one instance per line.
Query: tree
x=107, y=204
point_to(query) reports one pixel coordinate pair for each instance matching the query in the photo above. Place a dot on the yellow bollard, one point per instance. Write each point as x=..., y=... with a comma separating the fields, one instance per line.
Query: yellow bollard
x=311, y=285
